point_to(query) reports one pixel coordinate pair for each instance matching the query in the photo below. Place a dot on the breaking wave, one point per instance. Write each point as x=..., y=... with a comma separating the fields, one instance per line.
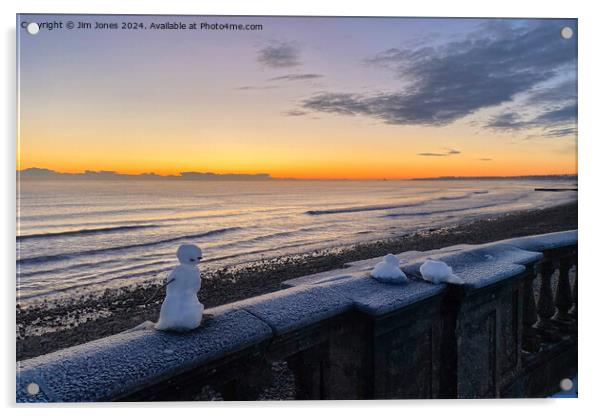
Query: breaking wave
x=85, y=231
x=66, y=256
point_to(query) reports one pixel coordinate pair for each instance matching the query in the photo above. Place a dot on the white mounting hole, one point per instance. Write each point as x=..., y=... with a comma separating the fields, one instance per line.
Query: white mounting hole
x=33, y=28
x=566, y=32
x=566, y=384
x=32, y=389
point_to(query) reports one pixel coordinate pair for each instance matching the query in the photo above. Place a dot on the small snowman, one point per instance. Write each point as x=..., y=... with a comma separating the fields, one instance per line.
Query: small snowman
x=436, y=271
x=388, y=271
x=181, y=309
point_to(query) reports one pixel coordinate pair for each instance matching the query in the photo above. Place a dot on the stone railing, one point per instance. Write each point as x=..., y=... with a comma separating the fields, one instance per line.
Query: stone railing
x=509, y=331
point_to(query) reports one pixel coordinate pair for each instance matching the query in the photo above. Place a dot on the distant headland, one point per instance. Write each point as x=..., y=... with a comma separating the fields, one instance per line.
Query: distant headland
x=48, y=174
x=494, y=178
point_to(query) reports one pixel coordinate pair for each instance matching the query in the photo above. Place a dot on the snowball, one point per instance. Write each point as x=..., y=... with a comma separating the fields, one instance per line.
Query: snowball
x=435, y=271
x=388, y=271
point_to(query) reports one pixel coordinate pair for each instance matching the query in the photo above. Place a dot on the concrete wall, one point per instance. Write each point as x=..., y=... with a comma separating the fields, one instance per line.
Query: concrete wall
x=346, y=336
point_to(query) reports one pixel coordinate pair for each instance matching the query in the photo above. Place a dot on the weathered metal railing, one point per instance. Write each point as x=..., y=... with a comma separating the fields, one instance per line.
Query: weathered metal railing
x=509, y=331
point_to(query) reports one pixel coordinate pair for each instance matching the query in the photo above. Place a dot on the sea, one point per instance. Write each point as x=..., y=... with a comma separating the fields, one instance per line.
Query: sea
x=90, y=235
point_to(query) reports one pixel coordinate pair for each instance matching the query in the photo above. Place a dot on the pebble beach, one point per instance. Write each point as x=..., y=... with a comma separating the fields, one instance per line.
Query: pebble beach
x=50, y=325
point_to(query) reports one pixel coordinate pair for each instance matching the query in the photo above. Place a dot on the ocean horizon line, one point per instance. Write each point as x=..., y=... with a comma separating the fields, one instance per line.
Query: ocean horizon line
x=49, y=174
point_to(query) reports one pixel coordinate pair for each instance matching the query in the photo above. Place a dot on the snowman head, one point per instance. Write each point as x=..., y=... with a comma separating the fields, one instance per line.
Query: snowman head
x=189, y=254
x=391, y=260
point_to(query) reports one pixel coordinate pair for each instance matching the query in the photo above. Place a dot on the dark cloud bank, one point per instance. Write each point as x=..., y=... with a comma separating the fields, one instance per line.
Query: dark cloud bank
x=279, y=55
x=486, y=69
x=559, y=115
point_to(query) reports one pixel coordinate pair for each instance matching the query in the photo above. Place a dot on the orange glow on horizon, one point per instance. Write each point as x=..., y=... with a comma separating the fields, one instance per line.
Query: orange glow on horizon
x=324, y=173
x=374, y=154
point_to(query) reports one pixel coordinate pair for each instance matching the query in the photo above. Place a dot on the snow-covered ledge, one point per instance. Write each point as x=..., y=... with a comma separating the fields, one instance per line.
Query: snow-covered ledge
x=345, y=335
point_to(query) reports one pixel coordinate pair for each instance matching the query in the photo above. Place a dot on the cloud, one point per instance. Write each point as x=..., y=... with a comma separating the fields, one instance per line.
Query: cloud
x=563, y=91
x=295, y=77
x=485, y=159
x=506, y=121
x=449, y=152
x=445, y=83
x=562, y=132
x=290, y=77
x=556, y=114
x=562, y=115
x=295, y=113
x=251, y=87
x=279, y=55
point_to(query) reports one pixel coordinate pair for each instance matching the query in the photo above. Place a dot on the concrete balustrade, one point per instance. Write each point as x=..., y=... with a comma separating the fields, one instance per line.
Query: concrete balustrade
x=346, y=336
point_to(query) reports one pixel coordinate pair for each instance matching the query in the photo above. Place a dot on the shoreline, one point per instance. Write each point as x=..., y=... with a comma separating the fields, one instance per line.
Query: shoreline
x=52, y=325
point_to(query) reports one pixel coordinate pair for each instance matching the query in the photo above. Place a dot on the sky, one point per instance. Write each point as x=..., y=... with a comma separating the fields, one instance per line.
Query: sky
x=305, y=97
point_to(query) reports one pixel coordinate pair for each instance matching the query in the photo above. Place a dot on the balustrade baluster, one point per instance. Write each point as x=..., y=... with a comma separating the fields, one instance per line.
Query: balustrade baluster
x=573, y=310
x=530, y=337
x=545, y=305
x=562, y=298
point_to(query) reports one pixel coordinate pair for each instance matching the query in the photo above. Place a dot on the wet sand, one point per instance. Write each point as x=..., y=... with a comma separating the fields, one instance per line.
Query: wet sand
x=52, y=325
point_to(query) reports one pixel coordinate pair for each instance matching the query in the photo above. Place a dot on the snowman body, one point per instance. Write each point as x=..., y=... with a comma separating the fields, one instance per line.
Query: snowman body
x=181, y=309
